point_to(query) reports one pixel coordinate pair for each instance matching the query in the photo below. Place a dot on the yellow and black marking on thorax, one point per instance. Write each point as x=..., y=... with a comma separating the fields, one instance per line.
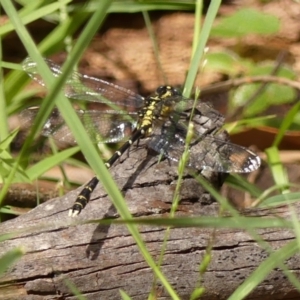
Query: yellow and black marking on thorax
x=156, y=107
x=159, y=106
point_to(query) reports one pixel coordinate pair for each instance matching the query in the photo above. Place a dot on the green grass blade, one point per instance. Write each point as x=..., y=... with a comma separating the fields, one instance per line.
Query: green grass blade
x=197, y=57
x=41, y=167
x=72, y=287
x=33, y=15
x=278, y=172
x=124, y=295
x=286, y=123
x=197, y=26
x=280, y=200
x=240, y=222
x=274, y=260
x=240, y=183
x=154, y=45
x=3, y=113
x=9, y=258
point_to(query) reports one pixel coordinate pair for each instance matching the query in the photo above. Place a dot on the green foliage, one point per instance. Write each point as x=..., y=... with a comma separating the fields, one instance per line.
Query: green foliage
x=281, y=199
x=197, y=293
x=278, y=171
x=124, y=295
x=273, y=94
x=9, y=258
x=265, y=268
x=227, y=62
x=7, y=162
x=46, y=164
x=246, y=21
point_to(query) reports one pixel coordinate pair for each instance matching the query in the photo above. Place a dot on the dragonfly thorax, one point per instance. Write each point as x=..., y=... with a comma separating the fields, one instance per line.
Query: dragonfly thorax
x=160, y=106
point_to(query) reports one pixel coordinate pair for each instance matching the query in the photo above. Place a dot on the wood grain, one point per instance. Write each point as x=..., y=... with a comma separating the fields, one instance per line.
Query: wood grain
x=100, y=259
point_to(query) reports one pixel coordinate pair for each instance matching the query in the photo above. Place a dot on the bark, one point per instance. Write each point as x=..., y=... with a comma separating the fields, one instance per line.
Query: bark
x=100, y=259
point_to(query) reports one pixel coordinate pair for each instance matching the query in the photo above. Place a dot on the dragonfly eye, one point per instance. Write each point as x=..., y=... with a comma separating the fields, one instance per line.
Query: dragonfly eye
x=176, y=92
x=166, y=91
x=161, y=90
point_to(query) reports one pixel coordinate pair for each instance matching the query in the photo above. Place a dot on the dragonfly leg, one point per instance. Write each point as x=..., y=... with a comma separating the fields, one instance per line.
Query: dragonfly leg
x=83, y=198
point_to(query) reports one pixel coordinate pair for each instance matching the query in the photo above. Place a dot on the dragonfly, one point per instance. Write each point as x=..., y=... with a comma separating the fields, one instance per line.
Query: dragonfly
x=128, y=117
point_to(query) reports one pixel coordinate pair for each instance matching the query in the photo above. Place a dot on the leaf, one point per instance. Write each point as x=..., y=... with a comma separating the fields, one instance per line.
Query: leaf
x=273, y=94
x=224, y=62
x=246, y=21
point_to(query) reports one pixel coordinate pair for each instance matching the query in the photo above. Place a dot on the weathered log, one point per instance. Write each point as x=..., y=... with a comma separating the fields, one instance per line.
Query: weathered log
x=100, y=259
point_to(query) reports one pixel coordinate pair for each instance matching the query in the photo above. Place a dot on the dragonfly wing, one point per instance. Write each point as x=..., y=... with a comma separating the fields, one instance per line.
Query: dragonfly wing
x=205, y=152
x=86, y=88
x=221, y=156
x=101, y=127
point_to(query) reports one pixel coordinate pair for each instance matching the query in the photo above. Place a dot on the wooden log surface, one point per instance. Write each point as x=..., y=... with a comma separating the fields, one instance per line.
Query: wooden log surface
x=100, y=259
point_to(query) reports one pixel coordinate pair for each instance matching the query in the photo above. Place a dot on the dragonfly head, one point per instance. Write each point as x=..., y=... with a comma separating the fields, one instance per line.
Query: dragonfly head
x=165, y=91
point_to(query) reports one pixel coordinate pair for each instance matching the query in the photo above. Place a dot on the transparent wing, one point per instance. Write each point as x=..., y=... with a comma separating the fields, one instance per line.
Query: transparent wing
x=83, y=87
x=101, y=127
x=206, y=151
